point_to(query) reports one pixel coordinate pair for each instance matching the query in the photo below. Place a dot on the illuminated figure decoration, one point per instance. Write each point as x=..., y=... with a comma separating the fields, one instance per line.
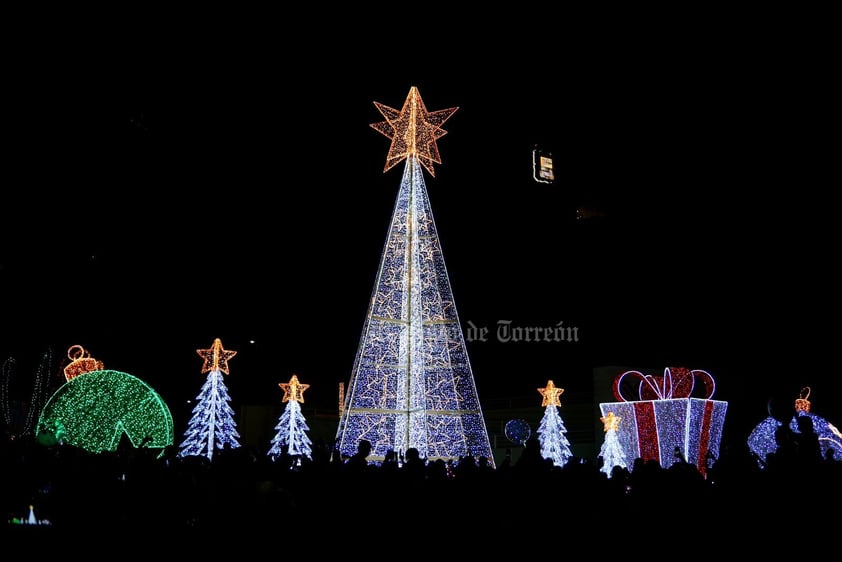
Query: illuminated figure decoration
x=291, y=438
x=212, y=425
x=664, y=421
x=95, y=410
x=761, y=440
x=411, y=384
x=80, y=362
x=517, y=431
x=21, y=421
x=552, y=431
x=611, y=452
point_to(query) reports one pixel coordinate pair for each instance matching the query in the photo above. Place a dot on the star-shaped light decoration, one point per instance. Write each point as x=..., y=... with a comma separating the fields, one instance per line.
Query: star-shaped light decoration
x=293, y=390
x=550, y=394
x=610, y=422
x=216, y=358
x=413, y=130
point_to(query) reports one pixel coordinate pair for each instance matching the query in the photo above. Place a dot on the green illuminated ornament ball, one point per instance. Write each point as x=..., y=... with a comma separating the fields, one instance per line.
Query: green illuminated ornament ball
x=95, y=410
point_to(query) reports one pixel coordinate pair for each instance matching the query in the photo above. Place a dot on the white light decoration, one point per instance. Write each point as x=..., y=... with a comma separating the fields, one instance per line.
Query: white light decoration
x=291, y=437
x=665, y=420
x=36, y=401
x=552, y=431
x=212, y=425
x=411, y=384
x=31, y=519
x=611, y=452
x=761, y=441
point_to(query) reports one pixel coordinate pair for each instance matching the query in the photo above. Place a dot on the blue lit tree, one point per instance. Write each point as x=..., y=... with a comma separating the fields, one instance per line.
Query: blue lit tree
x=291, y=437
x=552, y=433
x=411, y=383
x=212, y=425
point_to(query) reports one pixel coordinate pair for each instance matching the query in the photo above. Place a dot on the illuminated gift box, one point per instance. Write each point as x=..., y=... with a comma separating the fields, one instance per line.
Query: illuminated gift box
x=662, y=417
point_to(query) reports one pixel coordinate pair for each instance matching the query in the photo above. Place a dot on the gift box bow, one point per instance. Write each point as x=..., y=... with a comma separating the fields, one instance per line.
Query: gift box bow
x=676, y=382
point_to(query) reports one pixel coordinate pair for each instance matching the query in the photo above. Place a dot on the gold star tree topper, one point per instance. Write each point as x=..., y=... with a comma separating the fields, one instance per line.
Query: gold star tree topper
x=610, y=422
x=413, y=130
x=551, y=394
x=293, y=390
x=216, y=358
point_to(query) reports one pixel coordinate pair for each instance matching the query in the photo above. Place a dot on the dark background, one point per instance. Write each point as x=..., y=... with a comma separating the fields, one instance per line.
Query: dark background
x=169, y=185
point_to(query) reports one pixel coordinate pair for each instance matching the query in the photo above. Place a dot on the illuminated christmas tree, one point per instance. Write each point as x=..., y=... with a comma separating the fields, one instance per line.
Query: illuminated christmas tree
x=291, y=438
x=212, y=425
x=611, y=452
x=551, y=431
x=411, y=384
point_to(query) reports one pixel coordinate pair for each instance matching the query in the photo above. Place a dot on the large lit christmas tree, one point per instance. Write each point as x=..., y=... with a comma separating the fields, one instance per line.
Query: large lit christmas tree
x=411, y=384
x=611, y=452
x=291, y=437
x=552, y=433
x=212, y=425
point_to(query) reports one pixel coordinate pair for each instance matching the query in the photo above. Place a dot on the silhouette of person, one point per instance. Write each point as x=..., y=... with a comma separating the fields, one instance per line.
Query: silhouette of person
x=806, y=441
x=358, y=462
x=414, y=467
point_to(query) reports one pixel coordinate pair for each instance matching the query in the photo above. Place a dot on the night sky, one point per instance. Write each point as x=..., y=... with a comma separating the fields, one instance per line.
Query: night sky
x=158, y=198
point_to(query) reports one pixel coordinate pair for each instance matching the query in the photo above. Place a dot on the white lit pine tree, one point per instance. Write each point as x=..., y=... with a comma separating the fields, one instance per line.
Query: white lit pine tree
x=552, y=433
x=611, y=452
x=291, y=438
x=212, y=426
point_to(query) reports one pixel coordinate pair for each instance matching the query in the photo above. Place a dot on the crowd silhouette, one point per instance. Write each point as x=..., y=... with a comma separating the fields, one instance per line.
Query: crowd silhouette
x=242, y=492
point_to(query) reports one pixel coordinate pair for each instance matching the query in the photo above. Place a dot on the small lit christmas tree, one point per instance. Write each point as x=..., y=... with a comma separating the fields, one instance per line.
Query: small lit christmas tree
x=551, y=431
x=212, y=425
x=291, y=438
x=611, y=452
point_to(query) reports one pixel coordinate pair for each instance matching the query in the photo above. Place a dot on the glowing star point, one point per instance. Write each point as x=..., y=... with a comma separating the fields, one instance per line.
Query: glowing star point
x=216, y=358
x=413, y=131
x=610, y=422
x=550, y=394
x=293, y=390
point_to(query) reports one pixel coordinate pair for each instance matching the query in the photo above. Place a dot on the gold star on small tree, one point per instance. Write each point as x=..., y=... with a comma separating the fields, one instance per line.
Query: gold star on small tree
x=610, y=422
x=550, y=394
x=293, y=390
x=611, y=451
x=216, y=358
x=212, y=426
x=413, y=130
